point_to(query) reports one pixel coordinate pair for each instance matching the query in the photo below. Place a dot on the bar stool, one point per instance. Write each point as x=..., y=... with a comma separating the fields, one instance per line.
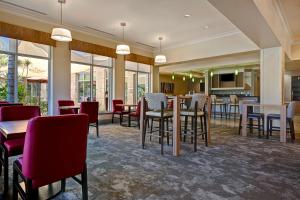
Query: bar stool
x=233, y=103
x=156, y=110
x=251, y=116
x=222, y=106
x=195, y=111
x=289, y=118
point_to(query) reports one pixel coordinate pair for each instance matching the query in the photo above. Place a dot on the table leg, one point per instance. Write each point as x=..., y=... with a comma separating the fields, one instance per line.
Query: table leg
x=176, y=127
x=244, y=120
x=129, y=118
x=142, y=124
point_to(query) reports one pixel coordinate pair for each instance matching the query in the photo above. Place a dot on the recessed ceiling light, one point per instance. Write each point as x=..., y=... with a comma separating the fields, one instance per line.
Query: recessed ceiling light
x=187, y=15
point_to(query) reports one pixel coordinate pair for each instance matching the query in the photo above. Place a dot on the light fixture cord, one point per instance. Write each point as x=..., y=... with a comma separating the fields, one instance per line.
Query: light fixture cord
x=123, y=33
x=159, y=46
x=61, y=13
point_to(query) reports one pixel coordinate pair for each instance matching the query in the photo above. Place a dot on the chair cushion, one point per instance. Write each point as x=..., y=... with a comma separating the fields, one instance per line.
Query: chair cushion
x=14, y=146
x=167, y=113
x=191, y=113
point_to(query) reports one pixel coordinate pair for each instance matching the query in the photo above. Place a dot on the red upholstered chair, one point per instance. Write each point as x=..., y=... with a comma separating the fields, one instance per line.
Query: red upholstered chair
x=13, y=147
x=136, y=113
x=91, y=109
x=54, y=149
x=118, y=110
x=66, y=103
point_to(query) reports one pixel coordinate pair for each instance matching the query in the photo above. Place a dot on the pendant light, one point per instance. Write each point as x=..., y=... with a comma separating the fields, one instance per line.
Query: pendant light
x=236, y=72
x=173, y=76
x=160, y=58
x=211, y=74
x=61, y=34
x=123, y=49
x=183, y=78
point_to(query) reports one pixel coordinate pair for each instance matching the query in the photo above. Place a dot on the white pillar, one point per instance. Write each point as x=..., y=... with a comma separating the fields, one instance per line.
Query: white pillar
x=119, y=78
x=271, y=75
x=206, y=75
x=60, y=76
x=155, y=79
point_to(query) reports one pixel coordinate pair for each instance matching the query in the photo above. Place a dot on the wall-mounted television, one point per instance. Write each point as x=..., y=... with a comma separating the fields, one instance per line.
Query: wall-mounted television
x=227, y=77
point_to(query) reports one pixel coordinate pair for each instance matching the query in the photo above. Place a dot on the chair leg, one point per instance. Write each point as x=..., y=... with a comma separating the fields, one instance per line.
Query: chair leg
x=15, y=182
x=112, y=119
x=1, y=153
x=31, y=193
x=258, y=127
x=263, y=125
x=195, y=134
x=144, y=132
x=168, y=142
x=5, y=166
x=268, y=128
x=271, y=127
x=185, y=127
x=240, y=124
x=205, y=129
x=97, y=128
x=121, y=119
x=63, y=185
x=162, y=136
x=84, y=184
x=291, y=122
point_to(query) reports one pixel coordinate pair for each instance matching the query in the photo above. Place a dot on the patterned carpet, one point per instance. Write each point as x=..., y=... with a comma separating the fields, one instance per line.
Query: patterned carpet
x=232, y=167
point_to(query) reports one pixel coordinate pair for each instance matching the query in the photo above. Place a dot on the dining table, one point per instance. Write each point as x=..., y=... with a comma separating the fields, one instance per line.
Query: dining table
x=129, y=109
x=280, y=108
x=12, y=129
x=76, y=108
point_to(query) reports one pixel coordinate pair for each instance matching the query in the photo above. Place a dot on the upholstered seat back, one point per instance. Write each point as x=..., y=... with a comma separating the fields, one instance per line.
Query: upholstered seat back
x=91, y=109
x=154, y=100
x=14, y=113
x=200, y=98
x=233, y=99
x=55, y=148
x=117, y=108
x=291, y=110
x=66, y=103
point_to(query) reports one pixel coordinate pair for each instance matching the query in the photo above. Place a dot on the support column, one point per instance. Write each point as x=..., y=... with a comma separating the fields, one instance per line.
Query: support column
x=155, y=79
x=119, y=78
x=271, y=75
x=207, y=84
x=60, y=76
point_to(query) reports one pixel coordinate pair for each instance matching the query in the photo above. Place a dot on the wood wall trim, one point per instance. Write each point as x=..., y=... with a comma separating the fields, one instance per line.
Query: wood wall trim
x=139, y=59
x=92, y=48
x=27, y=34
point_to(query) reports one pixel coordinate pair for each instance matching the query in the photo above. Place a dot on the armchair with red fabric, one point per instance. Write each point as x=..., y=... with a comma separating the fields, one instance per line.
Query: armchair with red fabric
x=54, y=150
x=136, y=114
x=14, y=146
x=66, y=103
x=118, y=110
x=91, y=109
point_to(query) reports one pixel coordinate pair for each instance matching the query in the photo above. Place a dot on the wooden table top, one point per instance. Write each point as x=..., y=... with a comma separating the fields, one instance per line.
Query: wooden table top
x=68, y=107
x=129, y=105
x=13, y=128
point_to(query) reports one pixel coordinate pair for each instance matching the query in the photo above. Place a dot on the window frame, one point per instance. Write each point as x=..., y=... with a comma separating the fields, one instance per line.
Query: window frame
x=92, y=65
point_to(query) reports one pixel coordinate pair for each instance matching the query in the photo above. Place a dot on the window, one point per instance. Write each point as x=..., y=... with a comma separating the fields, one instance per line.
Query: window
x=91, y=77
x=137, y=81
x=24, y=70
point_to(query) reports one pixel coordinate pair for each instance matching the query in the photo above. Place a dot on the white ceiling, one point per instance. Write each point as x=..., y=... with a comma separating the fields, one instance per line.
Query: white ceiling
x=146, y=19
x=291, y=13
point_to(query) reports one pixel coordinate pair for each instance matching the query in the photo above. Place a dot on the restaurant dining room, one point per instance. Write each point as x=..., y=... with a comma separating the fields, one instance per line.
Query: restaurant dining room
x=150, y=100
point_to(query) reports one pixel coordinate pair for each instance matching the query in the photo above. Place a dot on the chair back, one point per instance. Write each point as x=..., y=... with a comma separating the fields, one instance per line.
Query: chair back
x=154, y=100
x=91, y=108
x=54, y=148
x=233, y=99
x=250, y=109
x=116, y=108
x=14, y=113
x=200, y=98
x=291, y=110
x=213, y=98
x=66, y=103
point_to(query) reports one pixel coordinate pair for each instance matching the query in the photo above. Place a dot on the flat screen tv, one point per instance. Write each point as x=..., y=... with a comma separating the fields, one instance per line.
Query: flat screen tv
x=227, y=77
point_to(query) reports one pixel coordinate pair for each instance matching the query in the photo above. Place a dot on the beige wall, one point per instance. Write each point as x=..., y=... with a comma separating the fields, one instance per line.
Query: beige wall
x=180, y=87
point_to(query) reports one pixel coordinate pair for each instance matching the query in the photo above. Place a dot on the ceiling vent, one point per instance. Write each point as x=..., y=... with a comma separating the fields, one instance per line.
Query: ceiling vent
x=94, y=29
x=22, y=7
